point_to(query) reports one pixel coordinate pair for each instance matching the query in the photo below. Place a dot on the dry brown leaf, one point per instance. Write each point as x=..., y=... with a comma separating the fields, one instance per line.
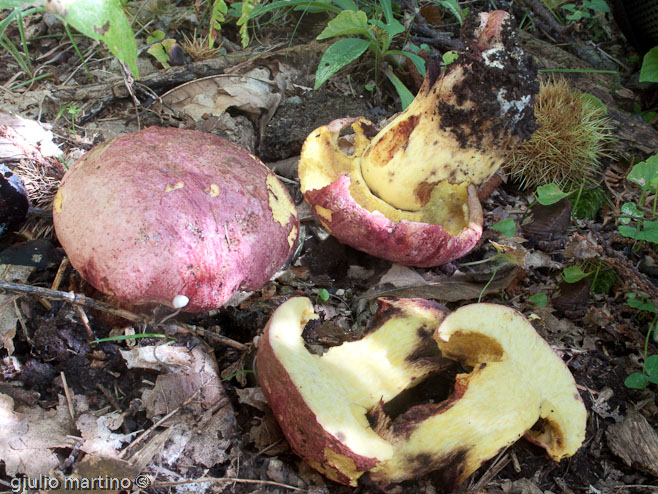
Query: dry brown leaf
x=405, y=282
x=252, y=92
x=635, y=442
x=30, y=436
x=97, y=435
x=8, y=311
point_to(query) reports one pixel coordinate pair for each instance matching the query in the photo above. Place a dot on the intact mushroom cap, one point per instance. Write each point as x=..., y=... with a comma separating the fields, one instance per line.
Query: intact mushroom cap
x=167, y=212
x=332, y=408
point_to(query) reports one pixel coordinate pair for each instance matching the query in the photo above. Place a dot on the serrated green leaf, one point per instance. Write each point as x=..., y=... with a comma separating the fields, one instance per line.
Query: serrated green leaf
x=636, y=381
x=337, y=56
x=507, y=228
x=346, y=23
x=405, y=95
x=644, y=172
x=539, y=299
x=649, y=70
x=573, y=274
x=549, y=194
x=246, y=11
x=102, y=20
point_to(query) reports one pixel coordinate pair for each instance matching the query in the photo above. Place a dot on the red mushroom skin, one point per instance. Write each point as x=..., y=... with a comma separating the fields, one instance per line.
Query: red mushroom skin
x=410, y=243
x=165, y=212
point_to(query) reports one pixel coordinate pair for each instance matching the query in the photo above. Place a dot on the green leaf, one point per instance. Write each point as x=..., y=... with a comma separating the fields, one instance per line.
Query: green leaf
x=507, y=228
x=640, y=303
x=346, y=4
x=629, y=232
x=155, y=36
x=388, y=10
x=405, y=95
x=644, y=172
x=649, y=70
x=418, y=61
x=323, y=294
x=549, y=194
x=539, y=299
x=649, y=231
x=10, y=4
x=392, y=29
x=160, y=54
x=449, y=56
x=307, y=5
x=337, y=56
x=594, y=101
x=346, y=23
x=636, y=381
x=630, y=209
x=597, y=5
x=572, y=274
x=101, y=20
x=651, y=365
x=248, y=7
x=453, y=7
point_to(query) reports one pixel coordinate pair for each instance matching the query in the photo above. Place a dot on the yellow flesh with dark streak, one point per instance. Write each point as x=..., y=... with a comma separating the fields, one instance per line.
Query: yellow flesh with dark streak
x=324, y=162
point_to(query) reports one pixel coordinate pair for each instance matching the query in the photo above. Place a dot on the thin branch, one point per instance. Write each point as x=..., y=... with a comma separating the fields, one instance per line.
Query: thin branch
x=73, y=298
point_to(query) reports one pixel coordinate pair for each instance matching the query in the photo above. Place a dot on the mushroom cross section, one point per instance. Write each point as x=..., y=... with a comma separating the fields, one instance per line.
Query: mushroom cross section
x=331, y=407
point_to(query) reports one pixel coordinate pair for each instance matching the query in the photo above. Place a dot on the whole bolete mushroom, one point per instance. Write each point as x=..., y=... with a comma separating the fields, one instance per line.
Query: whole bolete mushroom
x=333, y=407
x=176, y=217
x=408, y=192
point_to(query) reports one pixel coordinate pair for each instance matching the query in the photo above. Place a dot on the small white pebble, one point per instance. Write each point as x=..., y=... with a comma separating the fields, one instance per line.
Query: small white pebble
x=180, y=301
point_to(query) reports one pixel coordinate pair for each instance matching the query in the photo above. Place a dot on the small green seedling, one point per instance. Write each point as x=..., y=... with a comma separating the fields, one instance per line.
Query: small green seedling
x=574, y=274
x=602, y=276
x=124, y=337
x=540, y=300
x=365, y=34
x=323, y=294
x=160, y=47
x=649, y=374
x=507, y=228
x=550, y=194
x=644, y=175
x=99, y=20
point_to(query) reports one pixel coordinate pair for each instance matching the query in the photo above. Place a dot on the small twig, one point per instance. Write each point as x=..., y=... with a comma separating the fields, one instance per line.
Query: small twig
x=67, y=393
x=19, y=315
x=59, y=276
x=73, y=298
x=85, y=323
x=108, y=397
x=145, y=433
x=547, y=17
